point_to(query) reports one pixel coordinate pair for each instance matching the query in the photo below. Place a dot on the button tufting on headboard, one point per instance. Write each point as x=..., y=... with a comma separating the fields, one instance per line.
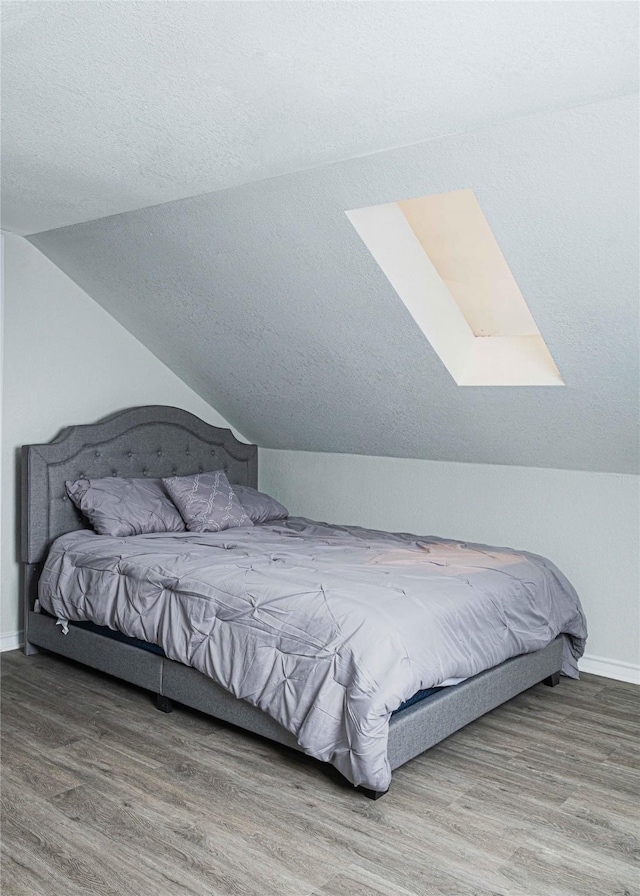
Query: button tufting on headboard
x=168, y=441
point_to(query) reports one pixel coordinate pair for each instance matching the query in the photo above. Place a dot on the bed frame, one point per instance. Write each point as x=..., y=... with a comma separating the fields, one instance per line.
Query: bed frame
x=159, y=441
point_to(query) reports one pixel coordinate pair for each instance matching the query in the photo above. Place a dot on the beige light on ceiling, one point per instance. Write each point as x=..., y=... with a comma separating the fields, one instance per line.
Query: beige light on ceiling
x=443, y=260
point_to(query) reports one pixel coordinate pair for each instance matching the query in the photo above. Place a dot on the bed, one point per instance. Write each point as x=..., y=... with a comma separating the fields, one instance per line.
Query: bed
x=158, y=442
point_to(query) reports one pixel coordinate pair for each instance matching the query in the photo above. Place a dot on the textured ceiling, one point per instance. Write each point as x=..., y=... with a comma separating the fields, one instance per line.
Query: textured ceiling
x=265, y=300
x=109, y=107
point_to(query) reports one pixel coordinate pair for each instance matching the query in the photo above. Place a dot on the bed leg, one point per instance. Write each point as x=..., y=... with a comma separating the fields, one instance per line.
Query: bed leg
x=371, y=794
x=163, y=703
x=30, y=649
x=552, y=680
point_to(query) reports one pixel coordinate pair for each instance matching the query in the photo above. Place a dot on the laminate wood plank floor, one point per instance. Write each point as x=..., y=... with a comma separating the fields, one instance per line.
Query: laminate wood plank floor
x=104, y=795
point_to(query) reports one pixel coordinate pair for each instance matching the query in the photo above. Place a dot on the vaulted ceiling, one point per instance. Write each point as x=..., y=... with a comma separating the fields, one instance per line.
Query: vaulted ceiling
x=262, y=296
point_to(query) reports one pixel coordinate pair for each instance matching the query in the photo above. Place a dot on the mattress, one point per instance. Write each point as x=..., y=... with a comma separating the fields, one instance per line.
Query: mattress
x=328, y=629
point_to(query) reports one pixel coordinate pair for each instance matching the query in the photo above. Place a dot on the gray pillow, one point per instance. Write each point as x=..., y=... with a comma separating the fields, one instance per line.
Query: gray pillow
x=260, y=507
x=207, y=502
x=116, y=506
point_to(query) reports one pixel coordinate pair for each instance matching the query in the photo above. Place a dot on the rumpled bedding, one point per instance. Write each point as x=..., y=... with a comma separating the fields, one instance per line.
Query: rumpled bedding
x=326, y=628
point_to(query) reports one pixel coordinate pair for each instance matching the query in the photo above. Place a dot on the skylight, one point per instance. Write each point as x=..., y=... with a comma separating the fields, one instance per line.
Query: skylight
x=441, y=257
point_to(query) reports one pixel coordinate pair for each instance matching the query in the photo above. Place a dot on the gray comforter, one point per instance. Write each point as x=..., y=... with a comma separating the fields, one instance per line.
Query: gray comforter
x=326, y=628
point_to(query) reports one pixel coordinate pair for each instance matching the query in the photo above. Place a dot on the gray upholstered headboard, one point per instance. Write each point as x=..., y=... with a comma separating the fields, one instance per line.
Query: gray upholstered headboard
x=152, y=441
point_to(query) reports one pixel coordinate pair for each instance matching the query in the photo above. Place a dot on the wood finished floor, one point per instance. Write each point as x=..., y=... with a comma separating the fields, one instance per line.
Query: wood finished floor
x=102, y=794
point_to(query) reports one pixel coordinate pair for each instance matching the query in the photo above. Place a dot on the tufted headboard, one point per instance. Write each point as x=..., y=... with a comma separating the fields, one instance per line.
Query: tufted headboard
x=153, y=441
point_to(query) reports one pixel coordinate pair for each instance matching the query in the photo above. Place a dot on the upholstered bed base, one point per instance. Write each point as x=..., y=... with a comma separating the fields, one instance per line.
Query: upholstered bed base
x=411, y=732
x=158, y=441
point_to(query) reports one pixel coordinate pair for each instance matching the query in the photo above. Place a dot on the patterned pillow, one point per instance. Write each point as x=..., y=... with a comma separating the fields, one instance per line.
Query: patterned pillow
x=116, y=506
x=260, y=507
x=207, y=502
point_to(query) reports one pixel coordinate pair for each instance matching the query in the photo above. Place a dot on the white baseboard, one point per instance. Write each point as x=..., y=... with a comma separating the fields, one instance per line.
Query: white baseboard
x=600, y=665
x=11, y=641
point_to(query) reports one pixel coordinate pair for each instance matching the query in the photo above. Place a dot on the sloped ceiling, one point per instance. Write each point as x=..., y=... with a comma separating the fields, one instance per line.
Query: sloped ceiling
x=264, y=299
x=261, y=295
x=109, y=107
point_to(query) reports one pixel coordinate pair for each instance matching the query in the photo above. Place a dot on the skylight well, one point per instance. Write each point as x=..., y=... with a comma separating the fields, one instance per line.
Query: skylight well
x=441, y=257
